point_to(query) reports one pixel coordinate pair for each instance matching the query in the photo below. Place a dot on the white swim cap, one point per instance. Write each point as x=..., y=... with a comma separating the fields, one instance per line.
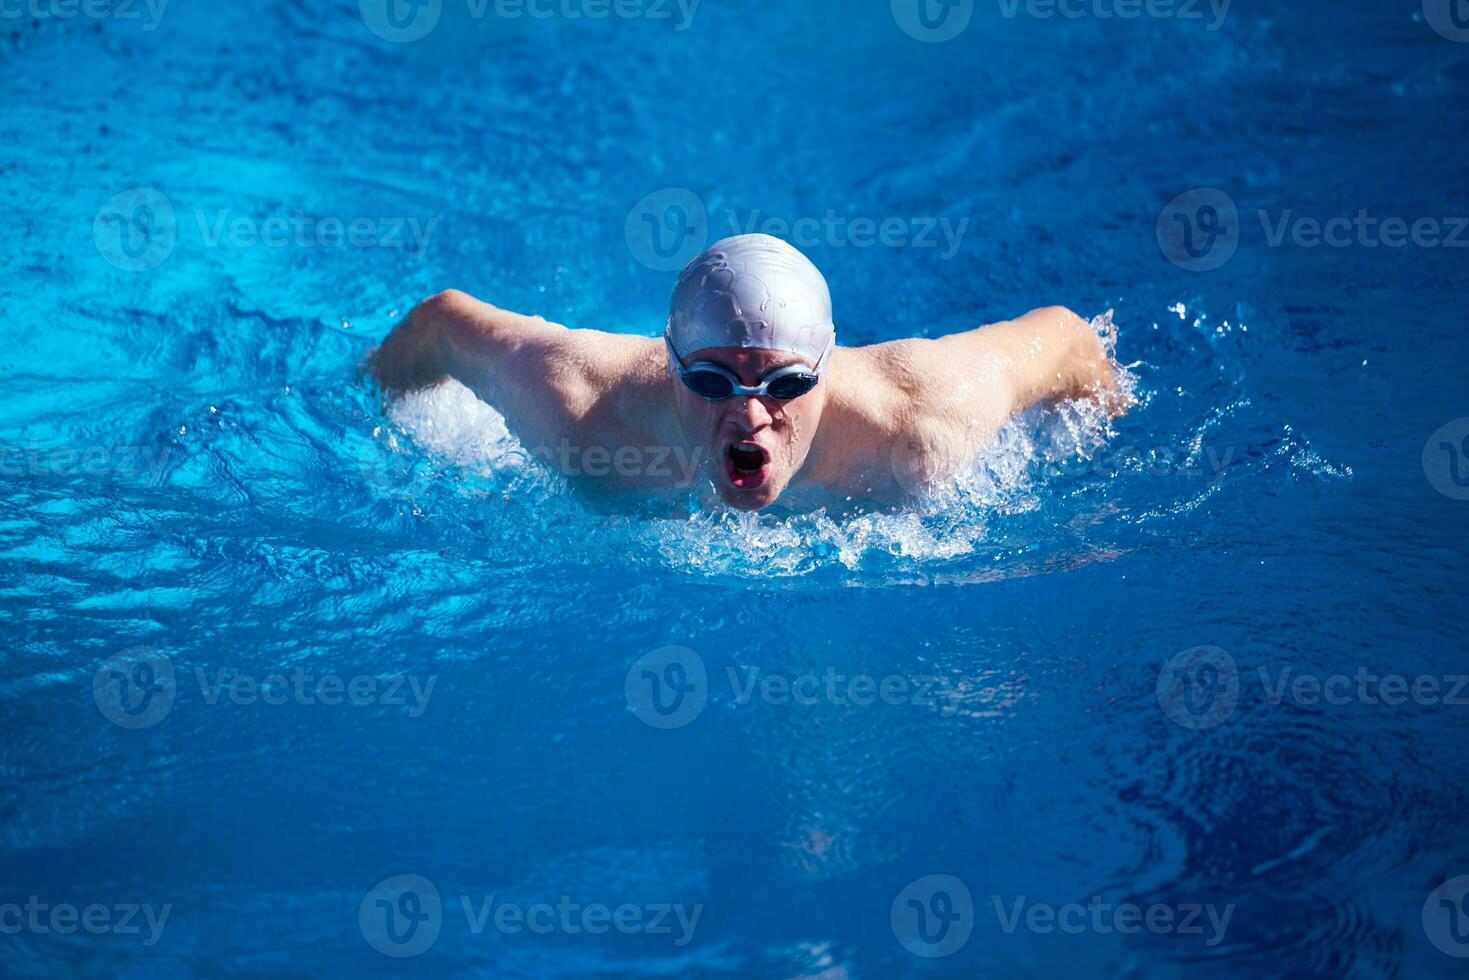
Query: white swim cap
x=751, y=291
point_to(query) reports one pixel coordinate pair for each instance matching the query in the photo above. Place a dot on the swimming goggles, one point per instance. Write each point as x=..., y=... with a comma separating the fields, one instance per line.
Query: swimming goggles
x=715, y=382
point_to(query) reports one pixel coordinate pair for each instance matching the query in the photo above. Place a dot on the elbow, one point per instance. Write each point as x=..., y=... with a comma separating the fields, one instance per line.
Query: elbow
x=1079, y=337
x=451, y=317
x=1088, y=368
x=1061, y=316
x=444, y=304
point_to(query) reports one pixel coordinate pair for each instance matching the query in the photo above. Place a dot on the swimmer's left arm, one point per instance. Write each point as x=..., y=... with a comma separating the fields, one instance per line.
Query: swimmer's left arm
x=1050, y=354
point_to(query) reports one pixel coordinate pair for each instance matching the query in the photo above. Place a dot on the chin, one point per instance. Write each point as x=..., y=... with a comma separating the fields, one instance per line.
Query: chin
x=750, y=499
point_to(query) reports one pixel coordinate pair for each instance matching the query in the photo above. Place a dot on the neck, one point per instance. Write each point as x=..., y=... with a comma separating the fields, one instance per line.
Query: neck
x=831, y=446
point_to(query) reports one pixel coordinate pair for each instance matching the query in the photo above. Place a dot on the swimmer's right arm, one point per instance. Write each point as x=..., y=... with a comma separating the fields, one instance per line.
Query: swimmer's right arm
x=449, y=335
x=513, y=362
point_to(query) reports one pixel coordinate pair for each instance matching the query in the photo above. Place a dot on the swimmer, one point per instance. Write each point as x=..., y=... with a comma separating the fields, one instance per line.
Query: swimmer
x=748, y=382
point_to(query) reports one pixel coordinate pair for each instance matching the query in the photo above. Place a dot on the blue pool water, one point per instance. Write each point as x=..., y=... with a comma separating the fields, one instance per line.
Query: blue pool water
x=1201, y=662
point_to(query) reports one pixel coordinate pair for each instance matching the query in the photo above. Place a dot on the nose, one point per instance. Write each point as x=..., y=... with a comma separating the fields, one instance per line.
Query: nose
x=750, y=413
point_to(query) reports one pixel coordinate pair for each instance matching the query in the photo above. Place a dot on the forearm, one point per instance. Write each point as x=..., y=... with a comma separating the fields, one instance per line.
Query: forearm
x=411, y=356
x=1057, y=356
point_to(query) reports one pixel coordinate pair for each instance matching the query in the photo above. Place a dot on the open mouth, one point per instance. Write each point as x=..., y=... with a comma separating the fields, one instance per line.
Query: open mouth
x=747, y=466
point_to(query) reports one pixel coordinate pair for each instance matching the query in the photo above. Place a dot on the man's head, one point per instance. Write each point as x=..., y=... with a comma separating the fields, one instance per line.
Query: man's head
x=751, y=312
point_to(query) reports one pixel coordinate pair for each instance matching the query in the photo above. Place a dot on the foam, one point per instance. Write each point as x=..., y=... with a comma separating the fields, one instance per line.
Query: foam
x=948, y=522
x=1058, y=464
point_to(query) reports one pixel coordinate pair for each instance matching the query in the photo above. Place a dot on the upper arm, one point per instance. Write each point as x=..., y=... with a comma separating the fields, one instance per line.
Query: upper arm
x=541, y=376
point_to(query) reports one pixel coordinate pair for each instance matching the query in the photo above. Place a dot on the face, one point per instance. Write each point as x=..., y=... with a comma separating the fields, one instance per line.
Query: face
x=755, y=445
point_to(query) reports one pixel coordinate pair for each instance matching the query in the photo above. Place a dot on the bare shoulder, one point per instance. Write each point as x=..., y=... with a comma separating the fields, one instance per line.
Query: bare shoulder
x=885, y=395
x=928, y=405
